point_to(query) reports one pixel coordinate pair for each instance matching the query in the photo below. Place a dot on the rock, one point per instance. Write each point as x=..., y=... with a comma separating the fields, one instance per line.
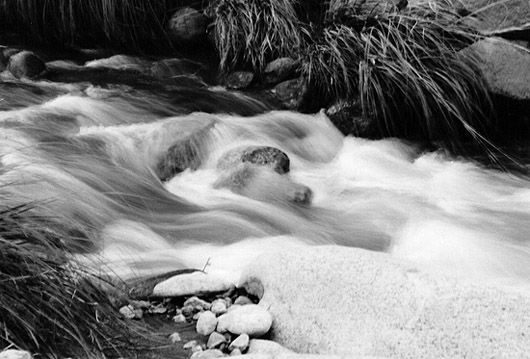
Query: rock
x=158, y=309
x=291, y=93
x=238, y=80
x=235, y=352
x=280, y=70
x=241, y=343
x=233, y=307
x=505, y=66
x=208, y=354
x=366, y=7
x=197, y=303
x=197, y=348
x=251, y=319
x=188, y=311
x=215, y=340
x=15, y=354
x=129, y=312
x=140, y=304
x=263, y=184
x=262, y=346
x=196, y=316
x=242, y=300
x=207, y=323
x=382, y=306
x=120, y=62
x=189, y=345
x=179, y=318
x=195, y=283
x=175, y=338
x=219, y=307
x=348, y=117
x=259, y=155
x=26, y=64
x=187, y=25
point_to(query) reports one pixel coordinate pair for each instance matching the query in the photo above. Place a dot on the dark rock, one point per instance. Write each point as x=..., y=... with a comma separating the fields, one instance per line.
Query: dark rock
x=239, y=80
x=348, y=118
x=291, y=93
x=26, y=64
x=168, y=68
x=187, y=24
x=302, y=195
x=363, y=8
x=258, y=155
x=280, y=70
x=5, y=54
x=505, y=66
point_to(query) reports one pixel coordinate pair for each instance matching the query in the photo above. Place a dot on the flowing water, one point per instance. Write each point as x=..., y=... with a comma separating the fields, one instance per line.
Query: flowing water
x=86, y=153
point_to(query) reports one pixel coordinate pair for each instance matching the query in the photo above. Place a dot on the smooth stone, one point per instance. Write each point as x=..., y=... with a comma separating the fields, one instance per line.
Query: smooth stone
x=259, y=155
x=206, y=323
x=239, y=80
x=505, y=66
x=15, y=354
x=370, y=303
x=291, y=93
x=191, y=344
x=263, y=346
x=243, y=300
x=195, y=283
x=280, y=70
x=251, y=319
x=215, y=340
x=120, y=62
x=26, y=64
x=208, y=354
x=235, y=352
x=219, y=306
x=241, y=343
x=197, y=303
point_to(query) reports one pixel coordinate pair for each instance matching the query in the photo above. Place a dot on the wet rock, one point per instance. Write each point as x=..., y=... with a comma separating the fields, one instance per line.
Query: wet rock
x=505, y=66
x=348, y=117
x=196, y=283
x=291, y=93
x=187, y=25
x=169, y=68
x=26, y=64
x=239, y=80
x=197, y=303
x=208, y=354
x=129, y=312
x=280, y=70
x=120, y=62
x=215, y=340
x=243, y=300
x=258, y=155
x=262, y=346
x=383, y=306
x=251, y=319
x=241, y=343
x=15, y=354
x=219, y=306
x=207, y=323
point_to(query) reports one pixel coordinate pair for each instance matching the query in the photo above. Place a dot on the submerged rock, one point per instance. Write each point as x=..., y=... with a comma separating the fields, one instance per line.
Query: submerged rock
x=26, y=64
x=505, y=66
x=383, y=307
x=280, y=70
x=195, y=283
x=187, y=25
x=239, y=80
x=251, y=319
x=258, y=155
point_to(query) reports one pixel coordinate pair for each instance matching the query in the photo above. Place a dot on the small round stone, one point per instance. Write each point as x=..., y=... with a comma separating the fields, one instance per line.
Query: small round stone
x=206, y=323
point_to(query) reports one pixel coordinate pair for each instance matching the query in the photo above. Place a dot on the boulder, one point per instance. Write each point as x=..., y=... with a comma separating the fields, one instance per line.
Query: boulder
x=348, y=118
x=15, y=354
x=258, y=155
x=26, y=64
x=505, y=66
x=239, y=80
x=348, y=301
x=280, y=70
x=251, y=319
x=187, y=25
x=206, y=323
x=291, y=93
x=196, y=283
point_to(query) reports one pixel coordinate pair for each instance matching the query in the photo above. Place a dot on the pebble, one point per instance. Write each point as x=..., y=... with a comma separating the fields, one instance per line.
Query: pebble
x=242, y=300
x=206, y=323
x=190, y=344
x=175, y=338
x=241, y=343
x=158, y=309
x=197, y=303
x=208, y=354
x=219, y=306
x=191, y=284
x=15, y=354
x=179, y=318
x=129, y=312
x=215, y=340
x=197, y=348
x=251, y=319
x=140, y=304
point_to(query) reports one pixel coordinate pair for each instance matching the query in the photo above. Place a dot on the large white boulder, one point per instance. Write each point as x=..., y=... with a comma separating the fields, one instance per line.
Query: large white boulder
x=346, y=301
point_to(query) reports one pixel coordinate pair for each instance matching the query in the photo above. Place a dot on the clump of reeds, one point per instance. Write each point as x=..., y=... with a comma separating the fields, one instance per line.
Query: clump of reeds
x=48, y=305
x=249, y=33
